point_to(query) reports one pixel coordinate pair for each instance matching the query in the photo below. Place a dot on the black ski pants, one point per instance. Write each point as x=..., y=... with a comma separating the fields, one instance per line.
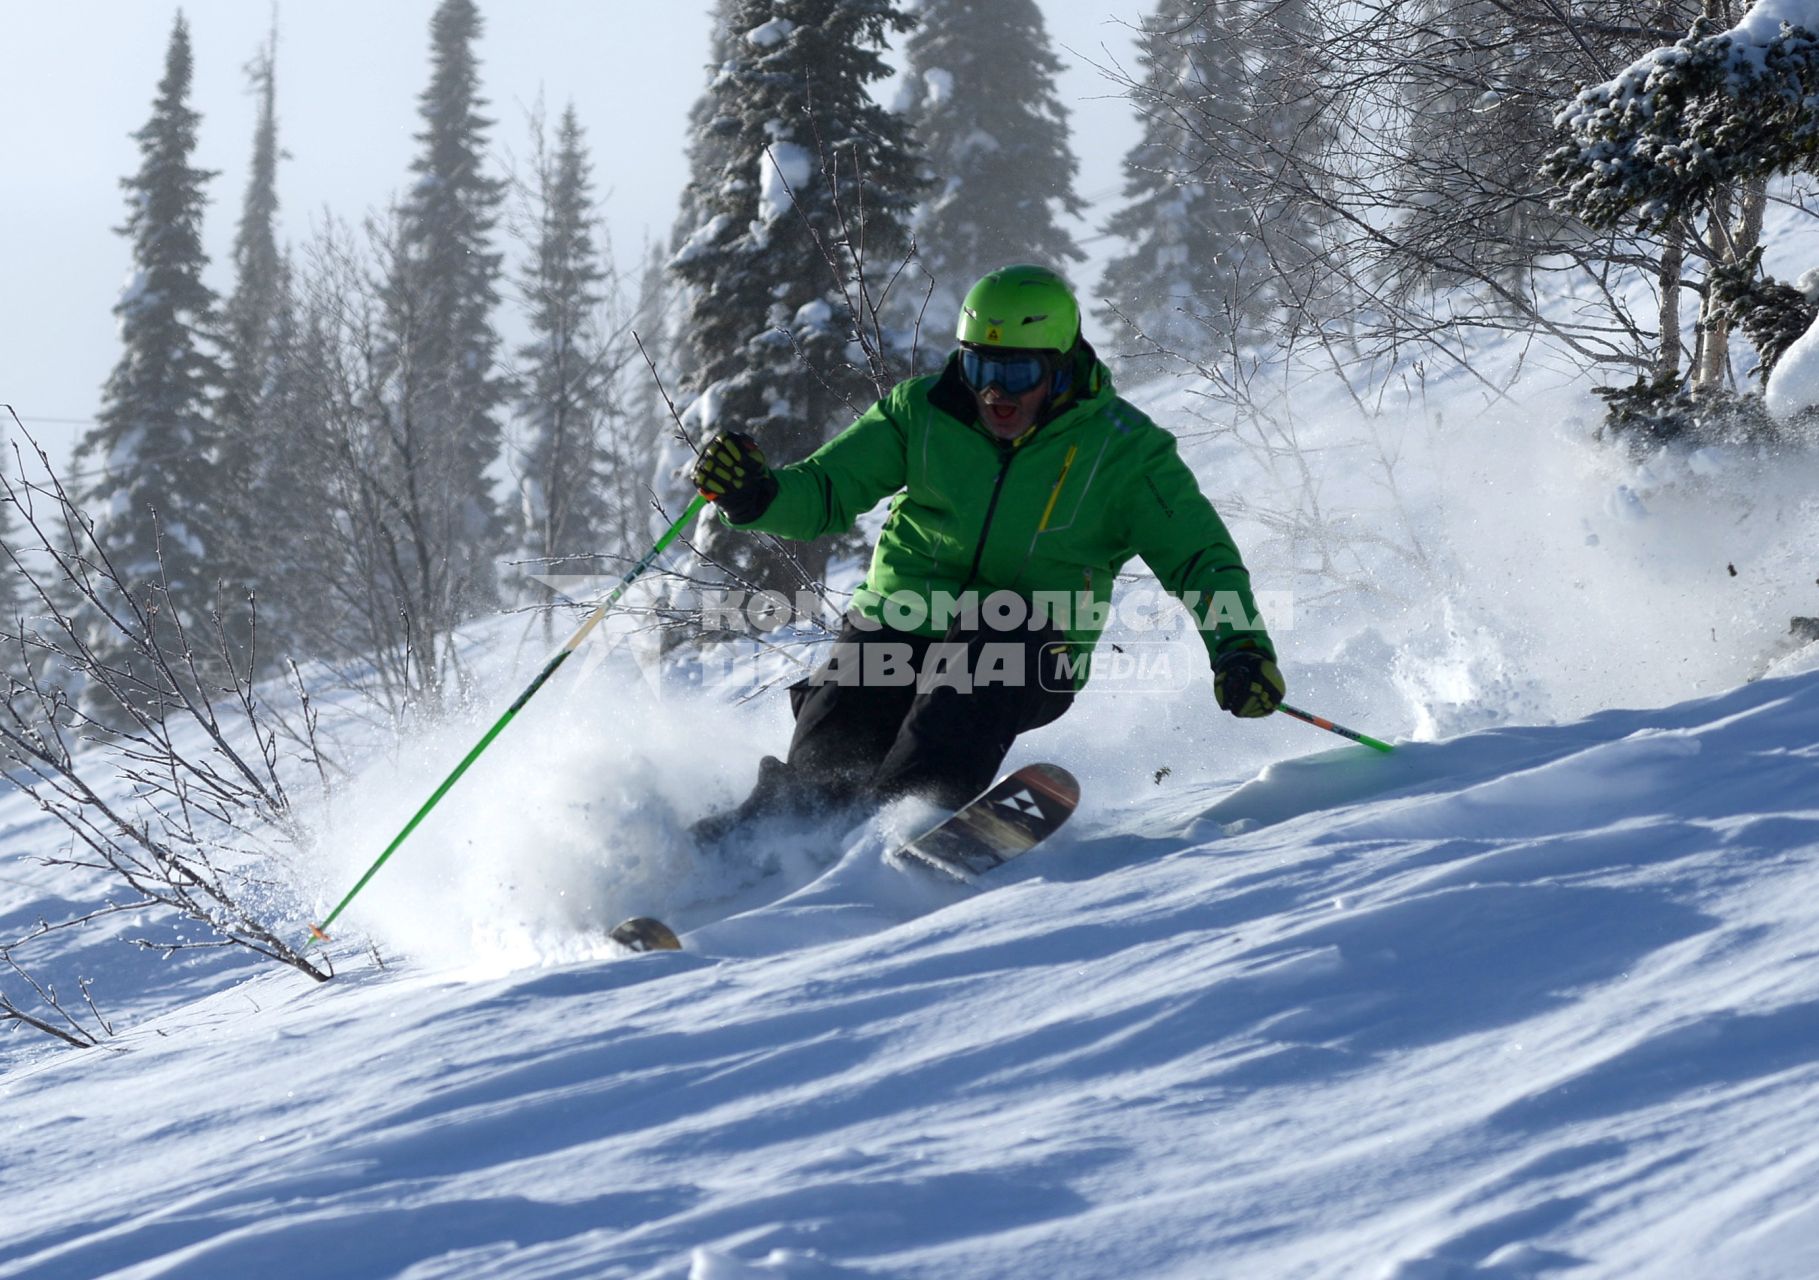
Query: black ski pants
x=891, y=713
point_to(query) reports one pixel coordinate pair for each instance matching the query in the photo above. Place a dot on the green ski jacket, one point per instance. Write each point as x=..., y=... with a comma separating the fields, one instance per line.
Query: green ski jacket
x=1055, y=514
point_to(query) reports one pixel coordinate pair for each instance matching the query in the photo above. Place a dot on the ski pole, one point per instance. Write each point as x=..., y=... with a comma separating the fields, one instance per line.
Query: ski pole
x=318, y=931
x=1330, y=727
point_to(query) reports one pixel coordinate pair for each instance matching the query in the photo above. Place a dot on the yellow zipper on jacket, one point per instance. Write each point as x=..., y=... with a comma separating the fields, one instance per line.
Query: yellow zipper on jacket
x=1060, y=480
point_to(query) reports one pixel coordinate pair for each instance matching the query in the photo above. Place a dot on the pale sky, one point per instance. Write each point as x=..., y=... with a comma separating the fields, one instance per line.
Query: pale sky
x=81, y=77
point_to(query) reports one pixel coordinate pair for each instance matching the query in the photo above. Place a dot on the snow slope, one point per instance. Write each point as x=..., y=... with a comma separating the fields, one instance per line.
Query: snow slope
x=1536, y=995
x=1526, y=1001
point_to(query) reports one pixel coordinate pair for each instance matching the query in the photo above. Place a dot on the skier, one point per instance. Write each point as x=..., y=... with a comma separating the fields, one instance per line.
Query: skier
x=1022, y=485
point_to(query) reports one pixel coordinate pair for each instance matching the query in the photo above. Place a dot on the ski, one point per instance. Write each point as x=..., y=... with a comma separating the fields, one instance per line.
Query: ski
x=1018, y=812
x=646, y=933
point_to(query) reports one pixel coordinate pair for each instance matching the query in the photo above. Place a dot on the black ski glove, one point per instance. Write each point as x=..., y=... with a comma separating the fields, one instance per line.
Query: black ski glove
x=1247, y=683
x=731, y=470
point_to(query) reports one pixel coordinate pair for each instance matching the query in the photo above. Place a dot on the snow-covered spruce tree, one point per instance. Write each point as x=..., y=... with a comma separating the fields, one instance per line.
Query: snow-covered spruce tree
x=979, y=93
x=709, y=156
x=1682, y=144
x=650, y=454
x=1770, y=315
x=270, y=416
x=804, y=224
x=1188, y=280
x=676, y=361
x=564, y=385
x=306, y=578
x=1716, y=107
x=256, y=324
x=251, y=316
x=296, y=520
x=445, y=393
x=154, y=485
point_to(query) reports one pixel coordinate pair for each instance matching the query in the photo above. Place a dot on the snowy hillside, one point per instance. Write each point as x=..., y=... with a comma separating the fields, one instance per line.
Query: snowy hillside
x=1533, y=995
x=1524, y=1001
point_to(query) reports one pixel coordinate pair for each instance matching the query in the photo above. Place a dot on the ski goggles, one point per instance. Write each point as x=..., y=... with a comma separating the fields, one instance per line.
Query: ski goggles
x=1012, y=372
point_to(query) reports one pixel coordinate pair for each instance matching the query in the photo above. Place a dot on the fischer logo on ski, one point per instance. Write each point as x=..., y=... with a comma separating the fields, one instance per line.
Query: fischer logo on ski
x=1023, y=802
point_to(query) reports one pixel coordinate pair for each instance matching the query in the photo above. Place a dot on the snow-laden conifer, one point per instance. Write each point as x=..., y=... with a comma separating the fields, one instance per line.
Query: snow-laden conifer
x=564, y=387
x=979, y=90
x=801, y=217
x=1716, y=106
x=261, y=512
x=1682, y=143
x=1186, y=280
x=651, y=451
x=150, y=466
x=442, y=285
x=675, y=358
x=250, y=317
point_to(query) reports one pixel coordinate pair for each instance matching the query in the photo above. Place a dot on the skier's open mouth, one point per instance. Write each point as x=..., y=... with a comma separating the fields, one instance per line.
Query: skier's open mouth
x=1002, y=412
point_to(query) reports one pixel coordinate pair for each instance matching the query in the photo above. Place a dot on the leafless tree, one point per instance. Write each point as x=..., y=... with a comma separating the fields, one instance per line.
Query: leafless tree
x=375, y=547
x=1417, y=181
x=152, y=746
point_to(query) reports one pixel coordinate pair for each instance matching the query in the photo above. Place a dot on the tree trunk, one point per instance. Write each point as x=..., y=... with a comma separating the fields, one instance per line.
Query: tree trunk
x=1747, y=234
x=1673, y=258
x=1714, y=361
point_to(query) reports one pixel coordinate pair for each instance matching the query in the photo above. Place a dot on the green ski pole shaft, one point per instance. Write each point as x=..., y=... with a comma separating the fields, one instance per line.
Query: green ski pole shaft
x=318, y=932
x=1322, y=723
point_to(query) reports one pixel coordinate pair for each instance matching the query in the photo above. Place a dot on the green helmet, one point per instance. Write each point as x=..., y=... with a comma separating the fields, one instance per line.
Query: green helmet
x=1025, y=308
